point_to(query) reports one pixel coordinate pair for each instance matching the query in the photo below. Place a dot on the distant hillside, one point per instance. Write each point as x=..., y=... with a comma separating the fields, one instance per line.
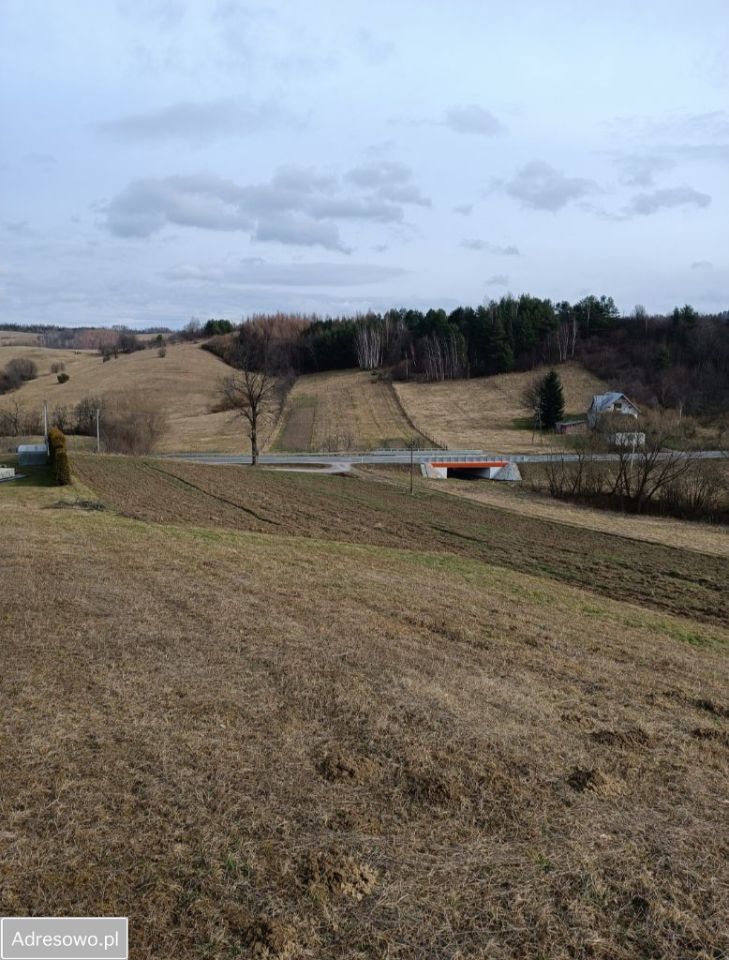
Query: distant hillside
x=184, y=382
x=488, y=412
x=341, y=410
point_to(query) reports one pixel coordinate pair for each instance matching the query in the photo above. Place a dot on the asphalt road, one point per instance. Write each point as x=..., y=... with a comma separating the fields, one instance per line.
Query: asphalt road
x=399, y=457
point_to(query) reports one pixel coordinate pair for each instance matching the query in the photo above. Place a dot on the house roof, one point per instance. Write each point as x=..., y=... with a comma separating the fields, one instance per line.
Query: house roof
x=604, y=401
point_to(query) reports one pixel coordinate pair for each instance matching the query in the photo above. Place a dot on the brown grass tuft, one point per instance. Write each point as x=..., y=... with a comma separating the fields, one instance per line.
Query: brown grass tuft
x=333, y=873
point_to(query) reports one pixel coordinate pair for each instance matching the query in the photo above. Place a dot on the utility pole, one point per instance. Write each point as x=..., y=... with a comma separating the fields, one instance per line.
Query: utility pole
x=45, y=421
x=98, y=435
x=411, y=444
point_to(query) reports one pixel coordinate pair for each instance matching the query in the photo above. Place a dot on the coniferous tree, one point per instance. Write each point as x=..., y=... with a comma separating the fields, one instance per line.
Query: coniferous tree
x=551, y=401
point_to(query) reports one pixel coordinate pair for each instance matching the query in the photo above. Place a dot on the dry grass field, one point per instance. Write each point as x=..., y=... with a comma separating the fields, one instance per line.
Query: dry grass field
x=185, y=382
x=343, y=409
x=700, y=537
x=18, y=338
x=480, y=413
x=373, y=730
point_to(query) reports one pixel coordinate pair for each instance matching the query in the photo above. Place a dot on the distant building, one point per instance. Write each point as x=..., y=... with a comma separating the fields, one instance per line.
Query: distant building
x=606, y=404
x=571, y=426
x=32, y=454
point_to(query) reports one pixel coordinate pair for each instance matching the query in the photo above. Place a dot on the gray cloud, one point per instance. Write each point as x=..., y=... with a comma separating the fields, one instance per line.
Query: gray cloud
x=702, y=265
x=509, y=250
x=297, y=231
x=645, y=204
x=473, y=119
x=146, y=206
x=640, y=170
x=389, y=180
x=257, y=272
x=540, y=186
x=464, y=209
x=297, y=206
x=498, y=280
x=200, y=121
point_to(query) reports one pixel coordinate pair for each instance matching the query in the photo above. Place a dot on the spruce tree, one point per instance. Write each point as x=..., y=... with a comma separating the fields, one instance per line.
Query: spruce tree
x=551, y=401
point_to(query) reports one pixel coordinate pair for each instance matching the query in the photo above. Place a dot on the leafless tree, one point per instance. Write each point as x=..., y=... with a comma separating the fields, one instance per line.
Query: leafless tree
x=369, y=342
x=252, y=394
x=132, y=423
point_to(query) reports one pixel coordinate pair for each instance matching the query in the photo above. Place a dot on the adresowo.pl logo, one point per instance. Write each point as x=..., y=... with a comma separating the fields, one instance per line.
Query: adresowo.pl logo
x=64, y=938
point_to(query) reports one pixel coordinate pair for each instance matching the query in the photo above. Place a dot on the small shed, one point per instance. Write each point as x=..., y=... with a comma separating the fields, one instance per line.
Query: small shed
x=605, y=404
x=571, y=426
x=32, y=454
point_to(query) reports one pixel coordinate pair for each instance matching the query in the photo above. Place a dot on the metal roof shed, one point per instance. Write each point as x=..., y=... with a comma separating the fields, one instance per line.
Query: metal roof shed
x=32, y=454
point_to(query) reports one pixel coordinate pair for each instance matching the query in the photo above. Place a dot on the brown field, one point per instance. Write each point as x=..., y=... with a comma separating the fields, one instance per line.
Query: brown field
x=185, y=382
x=18, y=338
x=347, y=409
x=480, y=413
x=313, y=744
x=359, y=511
x=701, y=537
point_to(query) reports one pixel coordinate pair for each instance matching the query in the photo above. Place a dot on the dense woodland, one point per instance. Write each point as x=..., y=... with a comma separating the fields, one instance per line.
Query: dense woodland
x=679, y=361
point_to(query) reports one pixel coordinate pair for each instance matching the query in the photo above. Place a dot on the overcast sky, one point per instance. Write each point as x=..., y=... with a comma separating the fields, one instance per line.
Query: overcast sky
x=163, y=159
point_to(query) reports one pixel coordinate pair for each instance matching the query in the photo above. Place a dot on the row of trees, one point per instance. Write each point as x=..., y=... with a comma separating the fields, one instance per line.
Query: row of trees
x=654, y=478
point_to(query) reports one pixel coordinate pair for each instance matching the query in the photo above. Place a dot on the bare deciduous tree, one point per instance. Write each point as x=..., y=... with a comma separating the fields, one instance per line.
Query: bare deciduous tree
x=132, y=424
x=251, y=393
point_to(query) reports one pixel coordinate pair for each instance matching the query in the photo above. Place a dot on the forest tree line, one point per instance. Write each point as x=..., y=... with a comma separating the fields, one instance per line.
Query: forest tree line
x=680, y=360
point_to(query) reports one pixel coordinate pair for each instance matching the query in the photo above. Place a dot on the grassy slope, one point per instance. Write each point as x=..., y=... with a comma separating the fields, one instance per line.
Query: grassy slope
x=342, y=508
x=339, y=410
x=480, y=413
x=232, y=737
x=185, y=382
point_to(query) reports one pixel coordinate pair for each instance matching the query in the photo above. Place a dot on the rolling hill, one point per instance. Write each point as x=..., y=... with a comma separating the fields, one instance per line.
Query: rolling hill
x=185, y=382
x=336, y=410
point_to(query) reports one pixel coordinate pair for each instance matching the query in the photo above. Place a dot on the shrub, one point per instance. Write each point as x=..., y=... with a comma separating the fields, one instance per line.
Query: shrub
x=56, y=443
x=61, y=469
x=162, y=352
x=58, y=367
x=131, y=423
x=21, y=369
x=86, y=415
x=63, y=378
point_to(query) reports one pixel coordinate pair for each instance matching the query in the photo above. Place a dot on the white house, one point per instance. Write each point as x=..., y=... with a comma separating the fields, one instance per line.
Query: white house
x=604, y=404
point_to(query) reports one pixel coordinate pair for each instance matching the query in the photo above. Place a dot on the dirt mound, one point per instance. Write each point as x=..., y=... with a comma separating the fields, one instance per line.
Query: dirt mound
x=581, y=779
x=431, y=787
x=337, y=874
x=267, y=939
x=339, y=767
x=635, y=737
